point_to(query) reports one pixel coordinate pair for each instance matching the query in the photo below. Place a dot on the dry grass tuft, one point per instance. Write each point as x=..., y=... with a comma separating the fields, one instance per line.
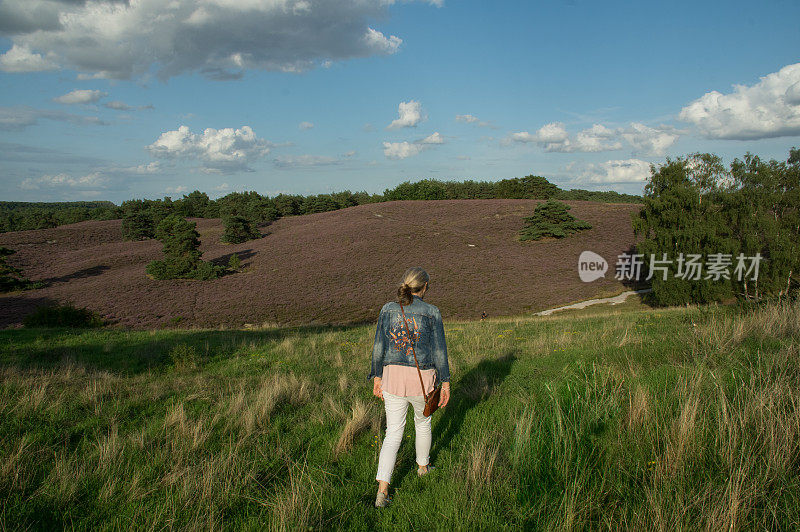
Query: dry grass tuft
x=360, y=420
x=480, y=462
x=638, y=408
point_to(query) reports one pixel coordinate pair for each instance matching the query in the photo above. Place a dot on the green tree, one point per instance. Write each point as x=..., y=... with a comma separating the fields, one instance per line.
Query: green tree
x=551, y=219
x=194, y=205
x=138, y=225
x=682, y=217
x=762, y=207
x=181, y=252
x=238, y=229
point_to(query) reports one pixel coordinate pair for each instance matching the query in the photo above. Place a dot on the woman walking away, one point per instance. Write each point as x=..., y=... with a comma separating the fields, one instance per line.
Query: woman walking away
x=407, y=327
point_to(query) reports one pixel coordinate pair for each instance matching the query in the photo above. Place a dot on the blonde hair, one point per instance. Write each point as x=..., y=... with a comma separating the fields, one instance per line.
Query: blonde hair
x=413, y=281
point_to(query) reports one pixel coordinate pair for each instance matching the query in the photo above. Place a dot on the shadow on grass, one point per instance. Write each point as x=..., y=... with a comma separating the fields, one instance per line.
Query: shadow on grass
x=132, y=352
x=14, y=307
x=476, y=386
x=223, y=260
x=80, y=274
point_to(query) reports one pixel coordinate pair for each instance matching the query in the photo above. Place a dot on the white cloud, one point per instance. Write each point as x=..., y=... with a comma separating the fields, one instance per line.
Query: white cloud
x=643, y=140
x=616, y=171
x=219, y=38
x=176, y=190
x=770, y=108
x=596, y=138
x=403, y=150
x=21, y=59
x=471, y=119
x=410, y=114
x=298, y=161
x=81, y=96
x=90, y=181
x=433, y=138
x=218, y=149
x=649, y=141
x=305, y=126
x=553, y=137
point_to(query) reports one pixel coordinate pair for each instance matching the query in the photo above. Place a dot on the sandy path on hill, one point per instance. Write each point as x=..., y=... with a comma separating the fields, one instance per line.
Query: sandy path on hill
x=614, y=300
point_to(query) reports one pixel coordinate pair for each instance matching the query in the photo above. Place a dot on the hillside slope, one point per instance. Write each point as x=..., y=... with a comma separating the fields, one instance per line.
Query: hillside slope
x=331, y=267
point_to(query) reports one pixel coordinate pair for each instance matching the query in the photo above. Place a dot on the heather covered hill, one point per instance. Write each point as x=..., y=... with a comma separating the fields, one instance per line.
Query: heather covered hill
x=330, y=267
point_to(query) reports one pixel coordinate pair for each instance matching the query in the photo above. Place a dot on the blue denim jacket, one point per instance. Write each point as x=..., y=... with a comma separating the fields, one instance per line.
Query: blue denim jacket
x=393, y=345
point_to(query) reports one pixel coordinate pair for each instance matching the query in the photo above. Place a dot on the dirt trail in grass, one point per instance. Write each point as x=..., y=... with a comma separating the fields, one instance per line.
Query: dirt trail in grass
x=613, y=300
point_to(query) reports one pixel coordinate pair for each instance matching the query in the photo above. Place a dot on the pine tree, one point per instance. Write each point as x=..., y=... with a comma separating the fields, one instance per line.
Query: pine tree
x=238, y=229
x=551, y=219
x=181, y=252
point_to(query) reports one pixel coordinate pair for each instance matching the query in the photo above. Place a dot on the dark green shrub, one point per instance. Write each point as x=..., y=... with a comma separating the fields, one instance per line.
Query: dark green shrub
x=234, y=263
x=181, y=252
x=238, y=229
x=551, y=219
x=11, y=278
x=138, y=226
x=63, y=316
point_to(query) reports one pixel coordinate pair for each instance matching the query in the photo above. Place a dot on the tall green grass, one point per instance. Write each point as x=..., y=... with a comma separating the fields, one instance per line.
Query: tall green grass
x=677, y=418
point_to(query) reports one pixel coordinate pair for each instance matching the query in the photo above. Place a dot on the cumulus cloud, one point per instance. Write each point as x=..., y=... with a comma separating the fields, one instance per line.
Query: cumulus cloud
x=21, y=59
x=18, y=118
x=642, y=140
x=221, y=39
x=225, y=149
x=405, y=149
x=770, y=108
x=649, y=141
x=433, y=138
x=553, y=137
x=81, y=96
x=304, y=161
x=616, y=171
x=410, y=114
x=305, y=126
x=93, y=180
x=401, y=150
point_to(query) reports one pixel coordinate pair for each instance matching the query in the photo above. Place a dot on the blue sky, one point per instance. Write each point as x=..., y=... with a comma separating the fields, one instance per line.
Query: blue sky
x=116, y=99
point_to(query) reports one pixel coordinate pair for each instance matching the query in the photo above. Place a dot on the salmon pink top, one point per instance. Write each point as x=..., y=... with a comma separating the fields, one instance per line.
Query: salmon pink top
x=404, y=380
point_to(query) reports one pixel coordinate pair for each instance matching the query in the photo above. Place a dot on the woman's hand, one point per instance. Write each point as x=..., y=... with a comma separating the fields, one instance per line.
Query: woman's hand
x=444, y=396
x=376, y=388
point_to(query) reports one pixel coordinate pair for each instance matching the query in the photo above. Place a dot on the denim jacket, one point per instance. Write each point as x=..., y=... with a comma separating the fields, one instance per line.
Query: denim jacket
x=393, y=345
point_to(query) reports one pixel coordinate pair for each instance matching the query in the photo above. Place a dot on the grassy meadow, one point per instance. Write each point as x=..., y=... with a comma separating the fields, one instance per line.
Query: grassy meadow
x=681, y=418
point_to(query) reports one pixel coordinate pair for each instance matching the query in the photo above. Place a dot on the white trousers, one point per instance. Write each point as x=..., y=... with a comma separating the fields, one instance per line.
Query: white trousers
x=396, y=408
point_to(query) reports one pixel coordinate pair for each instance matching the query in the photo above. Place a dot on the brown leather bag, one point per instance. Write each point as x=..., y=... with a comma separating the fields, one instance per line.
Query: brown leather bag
x=432, y=399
